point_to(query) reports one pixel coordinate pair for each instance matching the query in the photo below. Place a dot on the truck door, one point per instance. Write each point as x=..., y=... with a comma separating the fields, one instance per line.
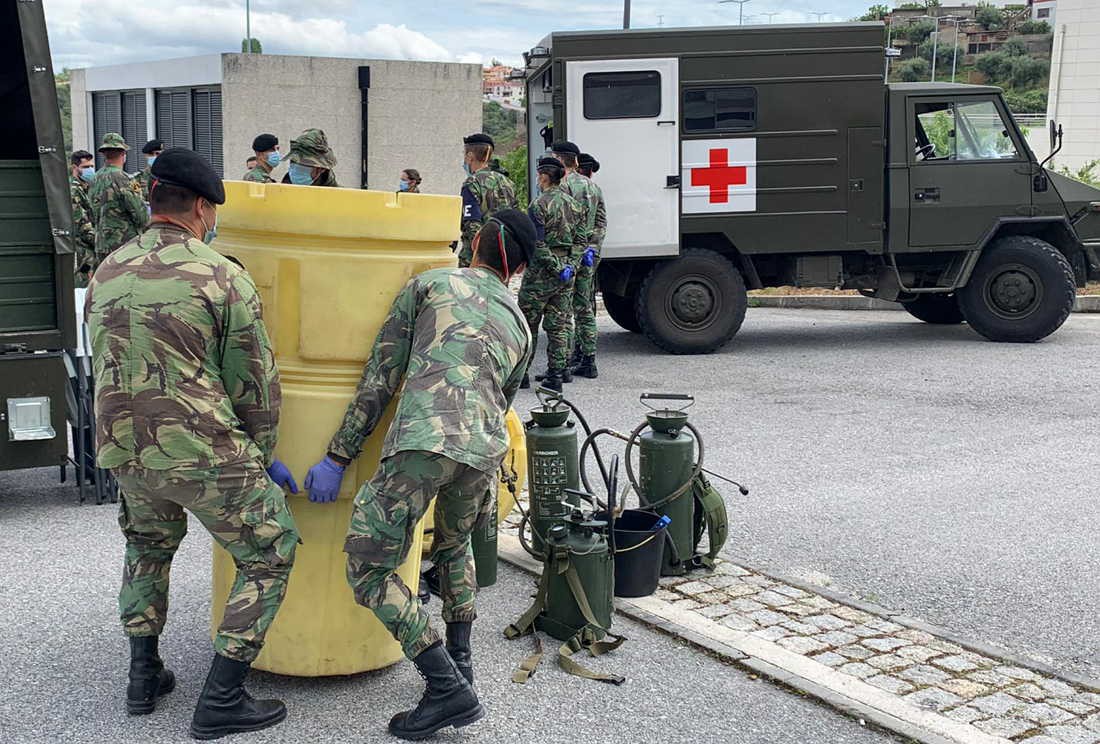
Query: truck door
x=624, y=112
x=966, y=169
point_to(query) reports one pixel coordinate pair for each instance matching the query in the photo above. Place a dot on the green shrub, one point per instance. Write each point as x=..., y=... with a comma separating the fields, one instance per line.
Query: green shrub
x=1033, y=27
x=515, y=163
x=912, y=70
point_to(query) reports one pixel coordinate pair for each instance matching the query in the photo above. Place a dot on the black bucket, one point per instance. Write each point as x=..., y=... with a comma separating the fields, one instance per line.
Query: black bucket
x=639, y=550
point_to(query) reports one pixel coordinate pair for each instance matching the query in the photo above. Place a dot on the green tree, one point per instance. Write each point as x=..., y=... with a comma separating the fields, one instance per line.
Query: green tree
x=989, y=16
x=915, y=32
x=1027, y=101
x=499, y=123
x=65, y=107
x=1026, y=72
x=944, y=53
x=912, y=70
x=875, y=13
x=996, y=66
x=1014, y=47
x=257, y=47
x=1033, y=27
x=515, y=163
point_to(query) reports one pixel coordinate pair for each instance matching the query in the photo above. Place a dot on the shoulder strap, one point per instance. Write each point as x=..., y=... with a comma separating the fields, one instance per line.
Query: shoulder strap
x=713, y=508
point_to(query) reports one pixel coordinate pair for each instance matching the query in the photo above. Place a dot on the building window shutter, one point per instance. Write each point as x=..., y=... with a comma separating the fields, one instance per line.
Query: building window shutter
x=134, y=129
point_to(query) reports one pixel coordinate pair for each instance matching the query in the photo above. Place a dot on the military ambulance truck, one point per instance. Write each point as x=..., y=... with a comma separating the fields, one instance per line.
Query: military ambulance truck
x=750, y=157
x=37, y=319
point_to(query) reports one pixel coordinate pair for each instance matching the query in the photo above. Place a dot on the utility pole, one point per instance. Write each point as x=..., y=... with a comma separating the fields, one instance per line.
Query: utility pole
x=935, y=48
x=770, y=15
x=819, y=15
x=660, y=21
x=741, y=8
x=626, y=13
x=248, y=26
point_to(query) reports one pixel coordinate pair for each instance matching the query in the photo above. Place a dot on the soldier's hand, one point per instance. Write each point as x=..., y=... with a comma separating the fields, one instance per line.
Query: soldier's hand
x=282, y=476
x=566, y=274
x=589, y=257
x=323, y=480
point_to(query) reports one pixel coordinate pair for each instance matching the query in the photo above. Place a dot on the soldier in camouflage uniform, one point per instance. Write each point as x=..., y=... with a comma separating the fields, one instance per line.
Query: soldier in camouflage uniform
x=117, y=209
x=311, y=160
x=150, y=150
x=584, y=294
x=81, y=174
x=459, y=344
x=266, y=147
x=484, y=192
x=546, y=294
x=187, y=408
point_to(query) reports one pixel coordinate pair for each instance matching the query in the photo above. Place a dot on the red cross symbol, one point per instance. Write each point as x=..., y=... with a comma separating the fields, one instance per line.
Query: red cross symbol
x=719, y=176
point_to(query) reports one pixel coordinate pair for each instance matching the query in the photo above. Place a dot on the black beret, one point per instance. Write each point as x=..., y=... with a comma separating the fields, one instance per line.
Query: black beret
x=549, y=163
x=518, y=228
x=478, y=139
x=178, y=166
x=584, y=160
x=152, y=146
x=264, y=142
x=565, y=147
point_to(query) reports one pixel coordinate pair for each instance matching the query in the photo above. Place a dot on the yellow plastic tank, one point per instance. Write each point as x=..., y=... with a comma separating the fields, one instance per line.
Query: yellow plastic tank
x=328, y=264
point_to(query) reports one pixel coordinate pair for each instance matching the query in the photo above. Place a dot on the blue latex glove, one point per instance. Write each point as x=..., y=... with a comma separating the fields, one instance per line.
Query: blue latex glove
x=589, y=257
x=282, y=476
x=323, y=480
x=566, y=273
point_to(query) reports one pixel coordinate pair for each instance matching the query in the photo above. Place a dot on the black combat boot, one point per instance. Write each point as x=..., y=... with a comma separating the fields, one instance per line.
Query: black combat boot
x=552, y=380
x=587, y=367
x=149, y=679
x=564, y=374
x=458, y=646
x=448, y=698
x=575, y=360
x=225, y=707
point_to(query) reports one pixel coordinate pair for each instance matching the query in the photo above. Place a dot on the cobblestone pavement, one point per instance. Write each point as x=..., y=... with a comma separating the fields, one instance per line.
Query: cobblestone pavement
x=926, y=671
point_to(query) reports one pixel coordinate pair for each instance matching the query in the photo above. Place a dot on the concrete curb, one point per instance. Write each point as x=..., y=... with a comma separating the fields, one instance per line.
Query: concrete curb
x=1084, y=303
x=849, y=695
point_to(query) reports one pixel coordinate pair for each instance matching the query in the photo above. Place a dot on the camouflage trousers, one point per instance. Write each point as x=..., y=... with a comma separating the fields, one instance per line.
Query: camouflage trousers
x=465, y=253
x=545, y=299
x=387, y=510
x=584, y=309
x=244, y=511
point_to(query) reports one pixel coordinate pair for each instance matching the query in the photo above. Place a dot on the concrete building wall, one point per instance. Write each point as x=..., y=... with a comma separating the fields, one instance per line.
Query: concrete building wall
x=1074, y=96
x=80, y=103
x=418, y=114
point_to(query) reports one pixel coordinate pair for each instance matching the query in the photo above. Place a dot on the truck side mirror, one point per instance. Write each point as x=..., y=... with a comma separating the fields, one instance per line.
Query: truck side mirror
x=1053, y=128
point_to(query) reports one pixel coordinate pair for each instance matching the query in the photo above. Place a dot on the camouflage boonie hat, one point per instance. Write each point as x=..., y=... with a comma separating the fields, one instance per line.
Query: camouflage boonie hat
x=311, y=148
x=113, y=141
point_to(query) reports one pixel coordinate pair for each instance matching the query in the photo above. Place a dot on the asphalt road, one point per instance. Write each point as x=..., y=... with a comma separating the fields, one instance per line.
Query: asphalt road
x=63, y=660
x=917, y=466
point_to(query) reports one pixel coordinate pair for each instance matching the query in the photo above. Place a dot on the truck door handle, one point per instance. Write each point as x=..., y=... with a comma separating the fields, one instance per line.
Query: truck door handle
x=930, y=194
x=672, y=182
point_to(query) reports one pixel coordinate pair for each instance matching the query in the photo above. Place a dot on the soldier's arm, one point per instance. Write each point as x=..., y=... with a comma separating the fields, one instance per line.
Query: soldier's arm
x=133, y=206
x=511, y=386
x=600, y=230
x=248, y=373
x=542, y=255
x=472, y=217
x=381, y=376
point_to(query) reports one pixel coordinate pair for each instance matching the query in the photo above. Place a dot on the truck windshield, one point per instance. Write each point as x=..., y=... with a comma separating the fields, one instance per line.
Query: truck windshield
x=970, y=130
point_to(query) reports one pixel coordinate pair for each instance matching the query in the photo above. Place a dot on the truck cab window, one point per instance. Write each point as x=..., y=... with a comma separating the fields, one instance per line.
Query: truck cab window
x=961, y=131
x=622, y=95
x=726, y=109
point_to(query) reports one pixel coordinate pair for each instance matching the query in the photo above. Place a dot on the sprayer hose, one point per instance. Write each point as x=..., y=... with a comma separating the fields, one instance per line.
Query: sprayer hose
x=634, y=435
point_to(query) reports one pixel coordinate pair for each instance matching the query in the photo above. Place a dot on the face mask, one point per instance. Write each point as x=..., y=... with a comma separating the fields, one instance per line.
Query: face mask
x=466, y=167
x=87, y=174
x=300, y=175
x=149, y=161
x=274, y=158
x=210, y=232
x=403, y=185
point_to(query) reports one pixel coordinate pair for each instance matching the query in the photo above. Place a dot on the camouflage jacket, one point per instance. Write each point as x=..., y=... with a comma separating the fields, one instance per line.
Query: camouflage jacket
x=83, y=229
x=117, y=210
x=599, y=228
x=142, y=179
x=259, y=174
x=460, y=343
x=557, y=217
x=185, y=376
x=484, y=193
x=587, y=196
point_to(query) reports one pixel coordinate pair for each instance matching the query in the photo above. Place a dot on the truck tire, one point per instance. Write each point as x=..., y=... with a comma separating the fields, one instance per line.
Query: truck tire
x=938, y=309
x=622, y=311
x=692, y=304
x=1022, y=290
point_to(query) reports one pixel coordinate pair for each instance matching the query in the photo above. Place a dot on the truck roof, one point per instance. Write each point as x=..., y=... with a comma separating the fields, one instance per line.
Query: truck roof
x=943, y=88
x=688, y=32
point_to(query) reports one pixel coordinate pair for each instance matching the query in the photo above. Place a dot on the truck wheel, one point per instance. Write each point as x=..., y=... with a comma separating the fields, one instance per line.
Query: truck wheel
x=937, y=309
x=1022, y=290
x=621, y=309
x=693, y=304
